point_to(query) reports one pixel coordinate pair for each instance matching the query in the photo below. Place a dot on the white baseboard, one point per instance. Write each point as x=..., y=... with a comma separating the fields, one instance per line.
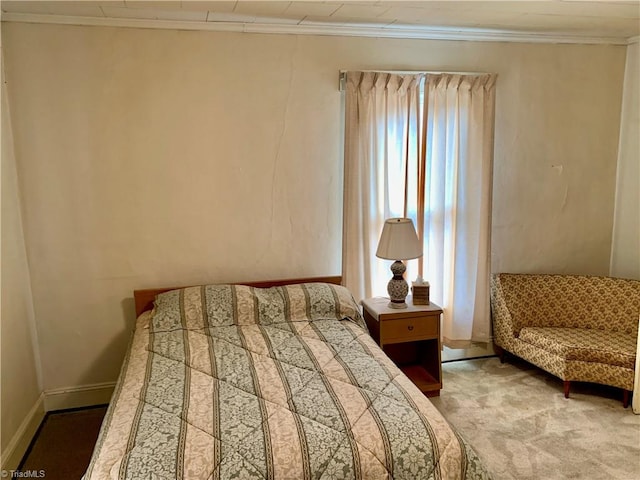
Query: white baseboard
x=50, y=400
x=56, y=399
x=21, y=440
x=78, y=397
x=475, y=351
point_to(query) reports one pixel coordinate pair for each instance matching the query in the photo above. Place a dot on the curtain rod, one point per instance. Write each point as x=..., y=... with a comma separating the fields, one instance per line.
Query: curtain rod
x=343, y=74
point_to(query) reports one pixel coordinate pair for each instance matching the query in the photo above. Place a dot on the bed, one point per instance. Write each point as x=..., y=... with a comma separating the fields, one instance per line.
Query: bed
x=272, y=380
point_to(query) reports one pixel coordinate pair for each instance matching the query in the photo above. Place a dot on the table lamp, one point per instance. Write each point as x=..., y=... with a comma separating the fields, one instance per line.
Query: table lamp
x=398, y=242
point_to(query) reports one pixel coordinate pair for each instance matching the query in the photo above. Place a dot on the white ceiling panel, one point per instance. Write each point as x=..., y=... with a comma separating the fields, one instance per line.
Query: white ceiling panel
x=182, y=15
x=597, y=19
x=552, y=7
x=220, y=7
x=126, y=12
x=266, y=9
x=55, y=8
x=361, y=12
x=312, y=8
x=161, y=5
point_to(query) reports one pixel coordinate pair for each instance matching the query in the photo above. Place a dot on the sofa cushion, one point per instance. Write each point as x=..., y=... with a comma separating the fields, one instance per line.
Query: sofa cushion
x=588, y=345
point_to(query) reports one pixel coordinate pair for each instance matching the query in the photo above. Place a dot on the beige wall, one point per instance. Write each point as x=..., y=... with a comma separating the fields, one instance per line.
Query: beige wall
x=625, y=251
x=156, y=157
x=19, y=364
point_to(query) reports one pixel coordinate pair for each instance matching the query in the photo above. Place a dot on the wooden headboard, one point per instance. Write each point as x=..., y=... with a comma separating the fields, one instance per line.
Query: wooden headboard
x=144, y=298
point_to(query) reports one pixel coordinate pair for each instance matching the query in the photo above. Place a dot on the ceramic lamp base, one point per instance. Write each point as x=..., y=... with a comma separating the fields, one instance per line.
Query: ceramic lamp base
x=397, y=305
x=397, y=288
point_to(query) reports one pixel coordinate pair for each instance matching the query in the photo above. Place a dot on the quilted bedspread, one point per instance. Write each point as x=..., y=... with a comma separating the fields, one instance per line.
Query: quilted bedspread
x=225, y=382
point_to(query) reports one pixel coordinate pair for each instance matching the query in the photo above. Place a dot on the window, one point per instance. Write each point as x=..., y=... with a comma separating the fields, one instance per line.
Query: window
x=421, y=146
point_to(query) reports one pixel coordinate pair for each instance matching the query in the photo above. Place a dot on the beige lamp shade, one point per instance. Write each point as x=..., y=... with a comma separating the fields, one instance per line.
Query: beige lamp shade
x=399, y=240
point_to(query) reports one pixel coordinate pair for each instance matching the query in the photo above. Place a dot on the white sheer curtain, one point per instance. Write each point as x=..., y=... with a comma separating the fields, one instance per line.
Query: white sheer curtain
x=635, y=402
x=459, y=114
x=430, y=161
x=381, y=129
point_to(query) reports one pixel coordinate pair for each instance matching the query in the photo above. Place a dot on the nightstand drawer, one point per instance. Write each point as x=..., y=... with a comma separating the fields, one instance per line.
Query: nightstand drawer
x=408, y=329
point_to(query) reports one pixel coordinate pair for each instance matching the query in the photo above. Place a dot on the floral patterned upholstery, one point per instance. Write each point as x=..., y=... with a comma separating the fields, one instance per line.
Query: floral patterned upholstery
x=579, y=328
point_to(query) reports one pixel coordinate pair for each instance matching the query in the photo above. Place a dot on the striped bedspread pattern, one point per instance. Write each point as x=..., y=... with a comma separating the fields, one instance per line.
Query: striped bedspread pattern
x=224, y=382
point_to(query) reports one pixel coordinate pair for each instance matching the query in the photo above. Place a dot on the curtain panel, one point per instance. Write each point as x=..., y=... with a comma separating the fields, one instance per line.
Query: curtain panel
x=381, y=128
x=421, y=146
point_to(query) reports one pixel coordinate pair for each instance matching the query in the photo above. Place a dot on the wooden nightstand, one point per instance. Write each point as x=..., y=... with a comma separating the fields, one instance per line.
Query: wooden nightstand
x=410, y=337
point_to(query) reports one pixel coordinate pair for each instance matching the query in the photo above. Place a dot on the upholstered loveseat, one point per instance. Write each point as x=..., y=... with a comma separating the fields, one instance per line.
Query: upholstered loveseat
x=578, y=328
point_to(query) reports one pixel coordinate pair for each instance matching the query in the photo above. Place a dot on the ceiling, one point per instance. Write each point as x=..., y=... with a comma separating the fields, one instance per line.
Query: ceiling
x=605, y=21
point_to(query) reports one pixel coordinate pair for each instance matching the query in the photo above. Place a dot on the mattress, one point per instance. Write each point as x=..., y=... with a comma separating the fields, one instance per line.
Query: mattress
x=228, y=381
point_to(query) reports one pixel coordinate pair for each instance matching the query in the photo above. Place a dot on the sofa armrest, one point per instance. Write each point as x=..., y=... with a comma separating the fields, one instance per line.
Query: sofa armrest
x=503, y=328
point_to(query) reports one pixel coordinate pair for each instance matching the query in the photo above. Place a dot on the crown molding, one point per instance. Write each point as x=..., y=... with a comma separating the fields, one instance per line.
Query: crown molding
x=390, y=31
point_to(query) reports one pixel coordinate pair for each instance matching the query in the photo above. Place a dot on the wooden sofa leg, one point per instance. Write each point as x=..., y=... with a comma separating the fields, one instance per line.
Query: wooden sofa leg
x=499, y=352
x=567, y=386
x=625, y=398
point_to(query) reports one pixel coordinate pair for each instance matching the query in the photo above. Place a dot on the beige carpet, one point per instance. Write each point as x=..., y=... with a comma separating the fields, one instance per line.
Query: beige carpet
x=518, y=421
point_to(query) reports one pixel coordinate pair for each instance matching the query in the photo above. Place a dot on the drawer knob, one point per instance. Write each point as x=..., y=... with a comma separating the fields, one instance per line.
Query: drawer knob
x=410, y=327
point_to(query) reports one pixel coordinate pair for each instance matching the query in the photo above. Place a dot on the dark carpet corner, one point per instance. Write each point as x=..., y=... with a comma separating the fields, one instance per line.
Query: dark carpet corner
x=64, y=443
